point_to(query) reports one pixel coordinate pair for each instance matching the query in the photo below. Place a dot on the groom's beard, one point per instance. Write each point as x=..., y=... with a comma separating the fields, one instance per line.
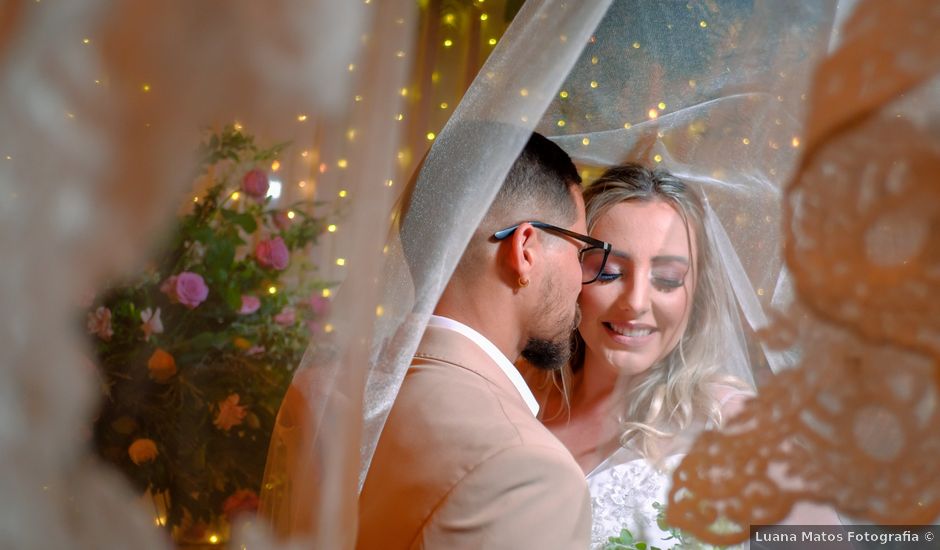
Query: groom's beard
x=552, y=354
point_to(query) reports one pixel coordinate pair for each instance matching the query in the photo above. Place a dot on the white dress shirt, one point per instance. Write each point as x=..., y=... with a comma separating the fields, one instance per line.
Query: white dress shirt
x=504, y=363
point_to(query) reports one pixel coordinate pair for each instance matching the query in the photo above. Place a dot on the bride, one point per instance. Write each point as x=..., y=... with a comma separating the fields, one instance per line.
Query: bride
x=651, y=351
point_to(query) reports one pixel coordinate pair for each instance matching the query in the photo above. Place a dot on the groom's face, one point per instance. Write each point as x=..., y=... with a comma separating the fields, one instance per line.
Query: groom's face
x=557, y=315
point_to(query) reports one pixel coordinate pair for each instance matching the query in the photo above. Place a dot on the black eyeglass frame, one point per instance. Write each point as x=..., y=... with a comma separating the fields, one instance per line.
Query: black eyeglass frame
x=593, y=244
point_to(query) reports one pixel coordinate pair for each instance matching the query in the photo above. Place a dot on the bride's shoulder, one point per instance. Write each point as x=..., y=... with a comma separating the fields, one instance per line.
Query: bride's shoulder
x=730, y=394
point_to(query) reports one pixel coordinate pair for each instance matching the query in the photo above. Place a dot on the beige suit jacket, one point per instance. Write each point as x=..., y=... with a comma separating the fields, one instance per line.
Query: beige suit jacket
x=463, y=463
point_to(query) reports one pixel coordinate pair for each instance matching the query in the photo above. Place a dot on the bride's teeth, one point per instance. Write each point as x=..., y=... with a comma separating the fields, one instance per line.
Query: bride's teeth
x=634, y=333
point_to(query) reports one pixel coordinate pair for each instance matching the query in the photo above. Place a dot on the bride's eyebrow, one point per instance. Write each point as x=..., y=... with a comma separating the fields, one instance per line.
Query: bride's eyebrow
x=666, y=259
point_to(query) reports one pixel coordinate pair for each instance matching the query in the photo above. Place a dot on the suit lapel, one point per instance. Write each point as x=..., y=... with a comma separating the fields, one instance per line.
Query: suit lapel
x=448, y=346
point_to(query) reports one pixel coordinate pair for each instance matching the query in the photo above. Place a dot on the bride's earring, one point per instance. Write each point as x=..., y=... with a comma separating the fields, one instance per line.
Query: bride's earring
x=523, y=282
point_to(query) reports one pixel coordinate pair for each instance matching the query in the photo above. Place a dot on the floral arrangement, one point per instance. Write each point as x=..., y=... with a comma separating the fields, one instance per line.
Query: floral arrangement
x=628, y=541
x=196, y=353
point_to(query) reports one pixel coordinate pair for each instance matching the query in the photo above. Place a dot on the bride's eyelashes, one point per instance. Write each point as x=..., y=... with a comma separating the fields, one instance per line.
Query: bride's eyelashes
x=664, y=284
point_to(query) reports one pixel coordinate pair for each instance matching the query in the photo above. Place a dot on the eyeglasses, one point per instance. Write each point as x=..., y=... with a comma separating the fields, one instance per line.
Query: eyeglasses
x=593, y=258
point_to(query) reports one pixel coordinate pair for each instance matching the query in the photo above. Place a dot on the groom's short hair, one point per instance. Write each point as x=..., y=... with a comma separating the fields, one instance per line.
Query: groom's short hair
x=537, y=186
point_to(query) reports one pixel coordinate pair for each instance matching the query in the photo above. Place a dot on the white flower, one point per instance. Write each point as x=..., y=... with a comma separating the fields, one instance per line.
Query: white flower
x=152, y=323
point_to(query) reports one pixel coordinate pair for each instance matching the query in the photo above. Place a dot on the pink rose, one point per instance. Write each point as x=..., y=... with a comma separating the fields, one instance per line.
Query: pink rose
x=231, y=414
x=255, y=184
x=240, y=502
x=319, y=305
x=250, y=304
x=187, y=288
x=281, y=220
x=272, y=253
x=286, y=317
x=99, y=323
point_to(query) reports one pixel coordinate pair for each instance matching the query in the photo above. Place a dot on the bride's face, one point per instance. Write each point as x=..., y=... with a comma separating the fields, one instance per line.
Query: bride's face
x=635, y=313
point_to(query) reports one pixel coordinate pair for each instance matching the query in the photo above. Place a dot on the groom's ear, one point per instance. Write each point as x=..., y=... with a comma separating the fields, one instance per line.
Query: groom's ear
x=520, y=253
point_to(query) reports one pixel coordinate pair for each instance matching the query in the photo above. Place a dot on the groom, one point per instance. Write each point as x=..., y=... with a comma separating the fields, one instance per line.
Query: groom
x=462, y=461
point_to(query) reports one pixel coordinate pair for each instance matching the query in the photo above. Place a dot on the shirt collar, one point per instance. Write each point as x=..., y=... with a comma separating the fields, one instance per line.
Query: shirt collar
x=498, y=357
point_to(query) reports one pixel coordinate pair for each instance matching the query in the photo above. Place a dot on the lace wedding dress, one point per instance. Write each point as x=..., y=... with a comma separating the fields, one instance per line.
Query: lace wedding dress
x=625, y=490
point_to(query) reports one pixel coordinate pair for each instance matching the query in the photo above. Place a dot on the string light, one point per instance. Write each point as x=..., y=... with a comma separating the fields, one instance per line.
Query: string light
x=238, y=127
x=326, y=293
x=448, y=43
x=379, y=311
x=627, y=126
x=561, y=123
x=795, y=142
x=291, y=215
x=342, y=163
x=760, y=291
x=491, y=42
x=594, y=84
x=594, y=60
x=692, y=83
x=272, y=290
x=328, y=328
x=702, y=24
x=586, y=141
x=275, y=166
x=214, y=539
x=653, y=113
x=340, y=261
x=97, y=82
x=323, y=167
x=450, y=18
x=351, y=67
x=301, y=118
x=400, y=54
x=86, y=41
x=746, y=141
x=301, y=184
x=484, y=17
x=342, y=194
x=195, y=199
x=389, y=183
x=658, y=158
x=443, y=105
x=435, y=77
x=304, y=153
x=524, y=92
x=351, y=134
x=563, y=94
x=145, y=87
x=430, y=136
x=400, y=117
x=236, y=195
x=661, y=106
x=636, y=45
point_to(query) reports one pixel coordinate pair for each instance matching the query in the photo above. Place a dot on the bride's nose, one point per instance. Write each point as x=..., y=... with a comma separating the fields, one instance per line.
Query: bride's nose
x=634, y=293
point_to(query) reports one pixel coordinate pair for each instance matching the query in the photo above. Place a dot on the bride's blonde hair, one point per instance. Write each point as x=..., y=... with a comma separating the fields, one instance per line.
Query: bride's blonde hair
x=674, y=392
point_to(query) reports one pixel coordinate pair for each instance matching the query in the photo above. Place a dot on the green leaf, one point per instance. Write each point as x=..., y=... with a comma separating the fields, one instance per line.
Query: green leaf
x=244, y=220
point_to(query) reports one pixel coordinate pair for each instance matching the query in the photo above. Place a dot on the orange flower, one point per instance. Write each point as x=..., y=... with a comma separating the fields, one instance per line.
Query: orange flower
x=230, y=413
x=241, y=343
x=142, y=450
x=162, y=366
